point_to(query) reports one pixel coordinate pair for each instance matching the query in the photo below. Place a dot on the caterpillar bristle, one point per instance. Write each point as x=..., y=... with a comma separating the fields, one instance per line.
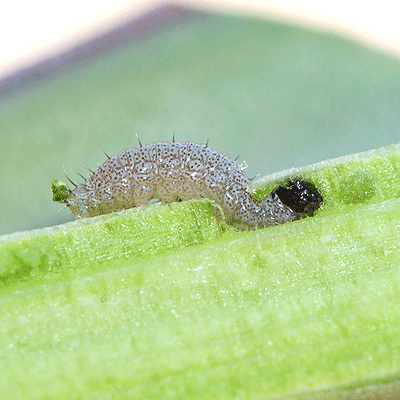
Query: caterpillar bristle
x=89, y=170
x=84, y=179
x=70, y=181
x=68, y=178
x=137, y=136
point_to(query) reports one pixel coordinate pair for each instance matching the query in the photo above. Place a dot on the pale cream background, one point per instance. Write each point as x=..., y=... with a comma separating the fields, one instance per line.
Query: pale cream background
x=32, y=30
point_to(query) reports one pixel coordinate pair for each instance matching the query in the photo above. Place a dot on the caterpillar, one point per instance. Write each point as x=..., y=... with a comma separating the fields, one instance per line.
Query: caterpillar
x=178, y=171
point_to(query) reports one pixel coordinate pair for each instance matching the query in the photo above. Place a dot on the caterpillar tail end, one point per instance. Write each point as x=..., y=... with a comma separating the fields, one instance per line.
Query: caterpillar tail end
x=61, y=191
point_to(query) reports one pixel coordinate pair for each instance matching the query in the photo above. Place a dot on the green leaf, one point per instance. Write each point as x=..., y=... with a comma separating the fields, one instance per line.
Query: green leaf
x=276, y=95
x=164, y=301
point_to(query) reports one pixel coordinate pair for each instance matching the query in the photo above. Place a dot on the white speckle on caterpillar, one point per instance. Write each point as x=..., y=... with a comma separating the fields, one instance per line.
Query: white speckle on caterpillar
x=173, y=171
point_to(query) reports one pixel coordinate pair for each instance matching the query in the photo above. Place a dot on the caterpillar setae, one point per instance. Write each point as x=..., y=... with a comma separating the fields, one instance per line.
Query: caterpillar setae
x=173, y=171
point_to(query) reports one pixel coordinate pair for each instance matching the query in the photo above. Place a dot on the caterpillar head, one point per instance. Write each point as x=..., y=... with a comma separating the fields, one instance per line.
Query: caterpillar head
x=300, y=196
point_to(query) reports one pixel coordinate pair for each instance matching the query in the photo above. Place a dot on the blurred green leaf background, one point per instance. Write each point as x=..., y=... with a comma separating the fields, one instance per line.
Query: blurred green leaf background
x=275, y=95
